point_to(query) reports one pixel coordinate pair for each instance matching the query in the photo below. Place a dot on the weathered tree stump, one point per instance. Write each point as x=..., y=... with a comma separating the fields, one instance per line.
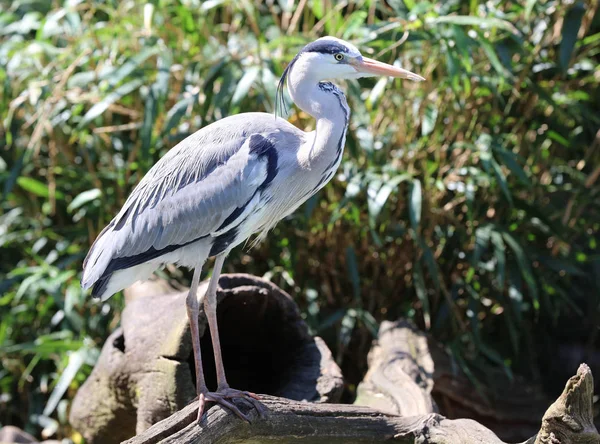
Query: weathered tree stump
x=145, y=372
x=417, y=365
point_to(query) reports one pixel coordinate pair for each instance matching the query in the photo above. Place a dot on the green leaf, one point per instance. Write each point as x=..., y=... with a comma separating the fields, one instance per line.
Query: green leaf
x=353, y=23
x=369, y=321
x=570, y=29
x=492, y=56
x=244, y=85
x=419, y=283
x=499, y=249
x=491, y=166
x=378, y=194
x=115, y=77
x=111, y=98
x=353, y=272
x=38, y=188
x=509, y=159
x=414, y=208
x=469, y=20
x=558, y=138
x=431, y=264
x=15, y=171
x=83, y=198
x=525, y=267
x=76, y=360
x=348, y=324
x=429, y=119
x=150, y=113
x=376, y=92
x=175, y=114
x=482, y=240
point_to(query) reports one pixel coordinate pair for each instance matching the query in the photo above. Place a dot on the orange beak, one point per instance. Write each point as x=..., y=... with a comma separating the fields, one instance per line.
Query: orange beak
x=374, y=67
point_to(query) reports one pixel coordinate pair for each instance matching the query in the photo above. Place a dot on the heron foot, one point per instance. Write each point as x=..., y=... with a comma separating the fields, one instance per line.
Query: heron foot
x=224, y=397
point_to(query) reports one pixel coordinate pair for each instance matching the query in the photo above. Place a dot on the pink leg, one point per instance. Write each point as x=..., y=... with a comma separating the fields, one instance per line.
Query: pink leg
x=193, y=310
x=223, y=392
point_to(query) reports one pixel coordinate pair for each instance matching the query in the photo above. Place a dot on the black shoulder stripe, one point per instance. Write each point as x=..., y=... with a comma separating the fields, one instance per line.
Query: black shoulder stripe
x=262, y=147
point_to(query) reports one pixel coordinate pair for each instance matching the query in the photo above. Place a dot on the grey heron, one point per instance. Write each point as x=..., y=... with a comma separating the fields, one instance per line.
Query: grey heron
x=229, y=180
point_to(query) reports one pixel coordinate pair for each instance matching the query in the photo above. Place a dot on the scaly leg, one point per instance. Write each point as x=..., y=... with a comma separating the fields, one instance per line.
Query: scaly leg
x=223, y=390
x=193, y=309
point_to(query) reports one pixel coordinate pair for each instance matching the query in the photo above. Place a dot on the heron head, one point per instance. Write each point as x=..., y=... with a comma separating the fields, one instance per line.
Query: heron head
x=331, y=58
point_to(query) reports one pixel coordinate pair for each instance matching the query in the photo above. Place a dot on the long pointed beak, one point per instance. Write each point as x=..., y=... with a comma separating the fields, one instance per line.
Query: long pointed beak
x=374, y=67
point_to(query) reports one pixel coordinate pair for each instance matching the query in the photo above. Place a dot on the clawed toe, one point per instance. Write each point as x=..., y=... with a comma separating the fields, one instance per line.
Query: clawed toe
x=223, y=397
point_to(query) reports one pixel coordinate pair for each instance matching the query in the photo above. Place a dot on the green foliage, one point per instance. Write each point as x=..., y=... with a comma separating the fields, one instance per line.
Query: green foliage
x=468, y=202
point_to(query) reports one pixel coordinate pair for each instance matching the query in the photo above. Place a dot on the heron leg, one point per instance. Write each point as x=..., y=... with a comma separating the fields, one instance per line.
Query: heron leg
x=223, y=392
x=193, y=309
x=210, y=309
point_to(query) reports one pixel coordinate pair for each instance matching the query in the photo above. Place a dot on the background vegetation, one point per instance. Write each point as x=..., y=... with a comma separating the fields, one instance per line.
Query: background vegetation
x=468, y=202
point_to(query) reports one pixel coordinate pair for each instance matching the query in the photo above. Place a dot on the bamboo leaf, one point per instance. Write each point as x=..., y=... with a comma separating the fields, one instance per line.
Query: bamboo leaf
x=509, y=159
x=525, y=267
x=83, y=198
x=244, y=85
x=115, y=77
x=353, y=272
x=469, y=20
x=570, y=29
x=111, y=98
x=414, y=208
x=419, y=283
x=38, y=188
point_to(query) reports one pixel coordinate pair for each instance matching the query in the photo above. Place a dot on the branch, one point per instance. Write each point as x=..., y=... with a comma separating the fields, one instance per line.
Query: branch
x=293, y=421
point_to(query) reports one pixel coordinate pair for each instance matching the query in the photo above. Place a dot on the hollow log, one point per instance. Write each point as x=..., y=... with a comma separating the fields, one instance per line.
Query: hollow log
x=145, y=372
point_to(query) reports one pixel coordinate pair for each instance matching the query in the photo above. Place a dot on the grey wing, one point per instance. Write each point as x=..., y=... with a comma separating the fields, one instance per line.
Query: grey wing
x=190, y=194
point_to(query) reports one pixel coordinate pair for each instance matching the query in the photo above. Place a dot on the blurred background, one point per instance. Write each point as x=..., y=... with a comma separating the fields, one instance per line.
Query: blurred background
x=468, y=203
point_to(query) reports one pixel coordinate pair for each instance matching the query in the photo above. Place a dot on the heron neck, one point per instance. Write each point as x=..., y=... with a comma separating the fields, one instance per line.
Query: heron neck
x=327, y=104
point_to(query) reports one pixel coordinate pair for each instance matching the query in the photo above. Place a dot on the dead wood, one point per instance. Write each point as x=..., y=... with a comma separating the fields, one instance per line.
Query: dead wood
x=145, y=371
x=399, y=381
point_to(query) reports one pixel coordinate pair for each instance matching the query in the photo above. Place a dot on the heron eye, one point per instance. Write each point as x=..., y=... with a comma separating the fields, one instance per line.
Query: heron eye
x=339, y=57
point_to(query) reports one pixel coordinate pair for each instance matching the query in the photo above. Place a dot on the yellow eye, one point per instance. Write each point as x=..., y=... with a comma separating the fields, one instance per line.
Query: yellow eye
x=339, y=57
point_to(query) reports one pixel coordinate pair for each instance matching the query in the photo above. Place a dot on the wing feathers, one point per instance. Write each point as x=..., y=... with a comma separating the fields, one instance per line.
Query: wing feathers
x=192, y=193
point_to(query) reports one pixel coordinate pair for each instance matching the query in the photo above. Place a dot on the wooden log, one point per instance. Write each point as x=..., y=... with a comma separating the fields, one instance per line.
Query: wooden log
x=407, y=368
x=146, y=373
x=399, y=379
x=293, y=421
